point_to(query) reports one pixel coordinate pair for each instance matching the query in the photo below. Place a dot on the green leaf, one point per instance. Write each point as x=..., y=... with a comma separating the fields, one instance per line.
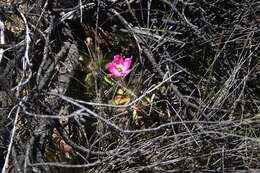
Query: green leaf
x=135, y=117
x=121, y=101
x=109, y=81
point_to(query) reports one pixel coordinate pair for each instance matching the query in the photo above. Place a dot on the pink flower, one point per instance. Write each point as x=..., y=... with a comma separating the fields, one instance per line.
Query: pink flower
x=120, y=67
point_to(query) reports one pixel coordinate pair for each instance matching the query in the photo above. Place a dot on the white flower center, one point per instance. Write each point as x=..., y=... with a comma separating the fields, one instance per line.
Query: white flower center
x=119, y=69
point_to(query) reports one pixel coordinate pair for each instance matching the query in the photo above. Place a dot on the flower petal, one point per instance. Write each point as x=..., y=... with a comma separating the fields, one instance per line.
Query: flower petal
x=118, y=59
x=127, y=63
x=111, y=67
x=118, y=74
x=125, y=73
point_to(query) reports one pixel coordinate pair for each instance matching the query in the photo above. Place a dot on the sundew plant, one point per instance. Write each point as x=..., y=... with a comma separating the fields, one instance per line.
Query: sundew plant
x=111, y=86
